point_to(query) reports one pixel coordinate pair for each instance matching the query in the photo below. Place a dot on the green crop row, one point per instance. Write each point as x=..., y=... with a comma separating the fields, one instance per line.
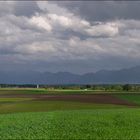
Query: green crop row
x=86, y=124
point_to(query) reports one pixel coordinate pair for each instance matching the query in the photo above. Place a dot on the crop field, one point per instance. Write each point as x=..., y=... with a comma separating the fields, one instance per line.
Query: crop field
x=68, y=114
x=86, y=124
x=59, y=91
x=131, y=98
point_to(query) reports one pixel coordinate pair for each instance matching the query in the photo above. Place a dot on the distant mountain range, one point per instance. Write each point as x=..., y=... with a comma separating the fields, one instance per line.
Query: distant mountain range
x=130, y=75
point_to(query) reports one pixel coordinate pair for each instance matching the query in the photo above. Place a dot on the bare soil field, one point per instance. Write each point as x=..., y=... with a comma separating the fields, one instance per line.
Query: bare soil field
x=95, y=98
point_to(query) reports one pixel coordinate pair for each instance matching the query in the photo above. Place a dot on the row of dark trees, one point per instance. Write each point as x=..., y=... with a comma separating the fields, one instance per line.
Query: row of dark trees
x=117, y=87
x=17, y=86
x=109, y=87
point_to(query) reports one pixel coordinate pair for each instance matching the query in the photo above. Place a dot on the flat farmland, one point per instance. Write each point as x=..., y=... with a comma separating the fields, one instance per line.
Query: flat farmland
x=42, y=114
x=59, y=91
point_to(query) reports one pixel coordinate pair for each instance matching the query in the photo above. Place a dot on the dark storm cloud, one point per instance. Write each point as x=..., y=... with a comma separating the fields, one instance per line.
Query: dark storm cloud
x=104, y=10
x=74, y=66
x=24, y=8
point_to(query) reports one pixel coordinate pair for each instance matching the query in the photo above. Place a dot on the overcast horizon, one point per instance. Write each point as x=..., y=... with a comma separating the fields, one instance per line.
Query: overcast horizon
x=71, y=36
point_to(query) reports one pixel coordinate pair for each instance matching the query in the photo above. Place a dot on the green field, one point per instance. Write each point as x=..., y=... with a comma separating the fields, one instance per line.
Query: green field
x=28, y=118
x=131, y=98
x=59, y=91
x=85, y=124
x=23, y=105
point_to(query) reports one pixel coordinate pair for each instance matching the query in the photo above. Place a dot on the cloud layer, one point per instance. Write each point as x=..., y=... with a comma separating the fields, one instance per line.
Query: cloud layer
x=67, y=36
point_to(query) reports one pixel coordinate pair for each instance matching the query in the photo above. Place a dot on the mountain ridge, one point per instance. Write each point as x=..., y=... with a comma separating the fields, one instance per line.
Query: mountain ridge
x=127, y=75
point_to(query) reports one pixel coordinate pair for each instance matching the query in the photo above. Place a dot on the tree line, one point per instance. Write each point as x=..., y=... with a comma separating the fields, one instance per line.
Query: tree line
x=100, y=87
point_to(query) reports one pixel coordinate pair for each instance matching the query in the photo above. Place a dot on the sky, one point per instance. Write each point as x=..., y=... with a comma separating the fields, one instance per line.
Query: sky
x=70, y=36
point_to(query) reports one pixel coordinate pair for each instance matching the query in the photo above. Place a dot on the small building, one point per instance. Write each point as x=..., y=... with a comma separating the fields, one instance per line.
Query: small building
x=37, y=86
